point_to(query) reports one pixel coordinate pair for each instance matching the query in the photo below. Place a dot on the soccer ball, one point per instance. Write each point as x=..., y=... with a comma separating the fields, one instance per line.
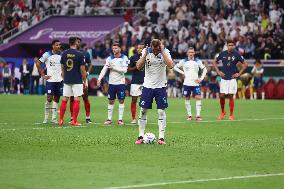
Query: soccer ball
x=149, y=138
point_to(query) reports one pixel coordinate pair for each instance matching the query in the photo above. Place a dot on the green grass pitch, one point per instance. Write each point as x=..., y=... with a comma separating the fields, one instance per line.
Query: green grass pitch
x=37, y=156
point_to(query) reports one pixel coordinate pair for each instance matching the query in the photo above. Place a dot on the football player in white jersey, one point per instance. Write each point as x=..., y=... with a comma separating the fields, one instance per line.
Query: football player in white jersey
x=154, y=60
x=117, y=64
x=191, y=84
x=54, y=84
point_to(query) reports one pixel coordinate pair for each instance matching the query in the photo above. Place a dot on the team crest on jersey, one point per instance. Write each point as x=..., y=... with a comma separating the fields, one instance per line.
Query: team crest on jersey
x=233, y=58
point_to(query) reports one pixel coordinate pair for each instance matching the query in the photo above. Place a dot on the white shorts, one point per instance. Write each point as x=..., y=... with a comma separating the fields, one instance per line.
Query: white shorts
x=75, y=90
x=135, y=90
x=228, y=86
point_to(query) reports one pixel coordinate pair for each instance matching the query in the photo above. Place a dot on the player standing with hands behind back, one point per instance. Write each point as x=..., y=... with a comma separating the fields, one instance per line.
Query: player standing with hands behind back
x=74, y=77
x=154, y=60
x=228, y=86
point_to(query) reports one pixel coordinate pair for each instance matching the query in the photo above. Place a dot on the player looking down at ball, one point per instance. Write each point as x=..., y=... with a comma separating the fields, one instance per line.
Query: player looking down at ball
x=154, y=60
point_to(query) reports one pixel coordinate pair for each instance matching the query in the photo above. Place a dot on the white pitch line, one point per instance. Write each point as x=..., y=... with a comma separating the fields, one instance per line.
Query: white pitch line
x=151, y=123
x=195, y=181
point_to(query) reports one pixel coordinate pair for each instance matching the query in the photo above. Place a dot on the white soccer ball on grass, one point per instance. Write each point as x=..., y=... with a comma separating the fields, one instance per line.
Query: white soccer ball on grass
x=149, y=138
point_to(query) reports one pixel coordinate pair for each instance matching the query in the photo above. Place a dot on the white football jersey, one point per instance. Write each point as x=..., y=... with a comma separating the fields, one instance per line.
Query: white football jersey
x=155, y=69
x=119, y=68
x=53, y=66
x=191, y=69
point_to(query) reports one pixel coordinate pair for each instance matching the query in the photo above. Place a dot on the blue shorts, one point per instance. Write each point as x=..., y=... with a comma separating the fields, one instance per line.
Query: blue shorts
x=116, y=90
x=213, y=87
x=54, y=88
x=257, y=82
x=147, y=96
x=171, y=83
x=188, y=89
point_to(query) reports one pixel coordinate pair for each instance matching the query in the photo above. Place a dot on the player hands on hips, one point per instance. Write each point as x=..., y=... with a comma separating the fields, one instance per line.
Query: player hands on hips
x=154, y=60
x=191, y=85
x=229, y=72
x=74, y=78
x=117, y=65
x=54, y=83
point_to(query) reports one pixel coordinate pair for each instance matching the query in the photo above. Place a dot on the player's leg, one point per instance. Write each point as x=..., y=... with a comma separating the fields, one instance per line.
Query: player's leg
x=198, y=98
x=87, y=105
x=135, y=91
x=111, y=99
x=57, y=93
x=186, y=94
x=77, y=90
x=223, y=90
x=48, y=103
x=67, y=93
x=71, y=108
x=145, y=104
x=231, y=92
x=133, y=108
x=162, y=104
x=121, y=96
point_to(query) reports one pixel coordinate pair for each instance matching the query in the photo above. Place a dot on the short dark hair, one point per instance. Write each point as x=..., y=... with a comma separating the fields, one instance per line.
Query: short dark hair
x=191, y=48
x=72, y=40
x=230, y=41
x=116, y=44
x=54, y=41
x=155, y=42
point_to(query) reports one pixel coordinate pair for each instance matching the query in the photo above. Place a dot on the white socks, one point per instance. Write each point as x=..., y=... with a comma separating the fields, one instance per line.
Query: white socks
x=161, y=123
x=197, y=105
x=262, y=95
x=142, y=121
x=109, y=111
x=46, y=109
x=54, y=110
x=120, y=111
x=198, y=108
x=188, y=107
x=254, y=95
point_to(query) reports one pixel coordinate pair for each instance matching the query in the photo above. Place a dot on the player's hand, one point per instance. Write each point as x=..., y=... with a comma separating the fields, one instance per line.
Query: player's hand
x=236, y=75
x=46, y=77
x=162, y=47
x=221, y=74
x=198, y=81
x=99, y=83
x=146, y=51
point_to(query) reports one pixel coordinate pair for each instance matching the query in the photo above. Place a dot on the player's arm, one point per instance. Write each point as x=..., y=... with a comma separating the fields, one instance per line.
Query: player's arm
x=89, y=62
x=40, y=70
x=167, y=57
x=141, y=62
x=178, y=66
x=62, y=71
x=244, y=67
x=216, y=67
x=204, y=72
x=103, y=73
x=84, y=74
x=131, y=66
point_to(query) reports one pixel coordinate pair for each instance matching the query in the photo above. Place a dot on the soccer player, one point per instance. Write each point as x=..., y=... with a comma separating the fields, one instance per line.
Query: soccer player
x=137, y=80
x=85, y=89
x=154, y=60
x=191, y=85
x=54, y=83
x=117, y=64
x=229, y=72
x=74, y=77
x=257, y=72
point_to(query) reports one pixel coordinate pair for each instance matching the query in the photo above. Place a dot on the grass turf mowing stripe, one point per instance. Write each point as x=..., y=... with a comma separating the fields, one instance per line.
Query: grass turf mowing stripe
x=196, y=181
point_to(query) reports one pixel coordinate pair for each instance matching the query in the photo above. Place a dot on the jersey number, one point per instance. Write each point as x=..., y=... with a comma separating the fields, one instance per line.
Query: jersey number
x=69, y=64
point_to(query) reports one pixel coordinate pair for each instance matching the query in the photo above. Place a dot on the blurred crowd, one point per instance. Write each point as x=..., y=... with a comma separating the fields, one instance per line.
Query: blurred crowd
x=20, y=14
x=256, y=26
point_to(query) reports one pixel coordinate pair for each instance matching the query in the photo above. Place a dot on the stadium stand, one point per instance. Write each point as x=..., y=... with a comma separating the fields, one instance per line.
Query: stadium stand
x=255, y=25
